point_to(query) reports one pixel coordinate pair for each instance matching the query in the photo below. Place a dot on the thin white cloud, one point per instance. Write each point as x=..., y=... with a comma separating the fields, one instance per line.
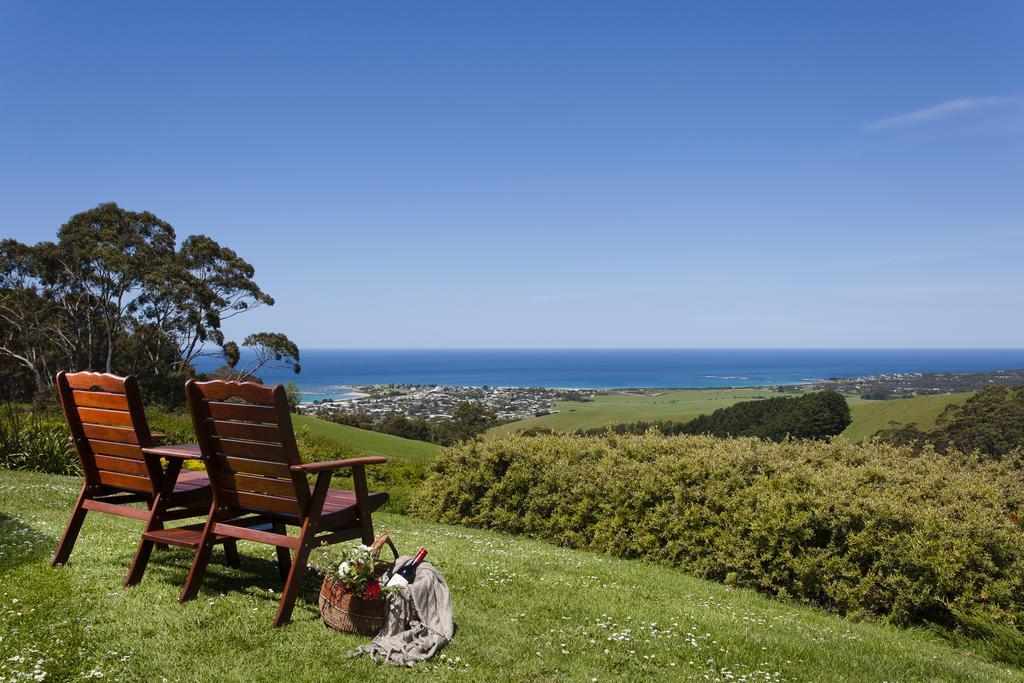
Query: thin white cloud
x=944, y=110
x=921, y=290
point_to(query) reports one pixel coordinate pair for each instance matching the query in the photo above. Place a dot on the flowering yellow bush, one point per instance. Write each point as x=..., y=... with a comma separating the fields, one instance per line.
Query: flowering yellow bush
x=864, y=530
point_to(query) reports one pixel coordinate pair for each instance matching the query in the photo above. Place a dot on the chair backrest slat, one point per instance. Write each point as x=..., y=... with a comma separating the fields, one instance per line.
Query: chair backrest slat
x=246, y=438
x=101, y=432
x=265, y=468
x=103, y=416
x=100, y=399
x=121, y=465
x=108, y=425
x=242, y=411
x=249, y=431
x=250, y=450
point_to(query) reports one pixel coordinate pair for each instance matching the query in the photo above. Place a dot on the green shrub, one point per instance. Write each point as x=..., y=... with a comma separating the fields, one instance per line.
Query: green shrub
x=867, y=531
x=29, y=441
x=175, y=426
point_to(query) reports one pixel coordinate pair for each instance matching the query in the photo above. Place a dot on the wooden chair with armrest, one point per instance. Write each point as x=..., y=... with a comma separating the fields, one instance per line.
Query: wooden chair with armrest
x=260, y=485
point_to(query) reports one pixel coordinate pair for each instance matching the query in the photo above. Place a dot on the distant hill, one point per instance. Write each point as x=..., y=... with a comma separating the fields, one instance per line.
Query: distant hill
x=685, y=404
x=367, y=442
x=630, y=406
x=871, y=416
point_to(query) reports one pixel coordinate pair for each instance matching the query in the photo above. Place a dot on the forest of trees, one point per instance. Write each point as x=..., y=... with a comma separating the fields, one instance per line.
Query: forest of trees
x=816, y=415
x=117, y=293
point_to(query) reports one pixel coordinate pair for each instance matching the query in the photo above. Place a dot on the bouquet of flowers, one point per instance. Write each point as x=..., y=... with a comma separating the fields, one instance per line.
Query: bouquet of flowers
x=356, y=573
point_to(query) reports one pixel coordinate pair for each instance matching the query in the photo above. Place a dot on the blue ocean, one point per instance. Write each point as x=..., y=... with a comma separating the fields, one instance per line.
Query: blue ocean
x=326, y=372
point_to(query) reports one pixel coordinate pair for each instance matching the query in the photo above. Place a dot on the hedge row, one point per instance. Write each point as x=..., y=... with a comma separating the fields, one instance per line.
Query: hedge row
x=863, y=530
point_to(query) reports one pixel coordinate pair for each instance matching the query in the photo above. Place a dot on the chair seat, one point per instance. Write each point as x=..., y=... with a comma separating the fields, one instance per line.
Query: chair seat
x=339, y=499
x=183, y=536
x=340, y=508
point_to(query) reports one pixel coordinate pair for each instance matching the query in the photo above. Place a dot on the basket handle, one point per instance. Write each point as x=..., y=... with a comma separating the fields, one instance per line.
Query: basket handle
x=379, y=543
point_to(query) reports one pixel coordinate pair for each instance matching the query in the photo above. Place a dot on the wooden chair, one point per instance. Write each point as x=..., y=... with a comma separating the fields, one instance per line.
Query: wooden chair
x=109, y=430
x=260, y=485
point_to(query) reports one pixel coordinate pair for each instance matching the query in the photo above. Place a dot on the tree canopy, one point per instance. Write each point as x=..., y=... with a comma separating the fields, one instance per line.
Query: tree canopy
x=116, y=293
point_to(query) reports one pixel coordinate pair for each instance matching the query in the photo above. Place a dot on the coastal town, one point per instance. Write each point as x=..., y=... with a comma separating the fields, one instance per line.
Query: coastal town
x=905, y=385
x=435, y=402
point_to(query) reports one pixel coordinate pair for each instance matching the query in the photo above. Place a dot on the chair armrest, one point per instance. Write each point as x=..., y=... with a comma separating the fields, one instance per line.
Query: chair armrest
x=312, y=467
x=179, y=451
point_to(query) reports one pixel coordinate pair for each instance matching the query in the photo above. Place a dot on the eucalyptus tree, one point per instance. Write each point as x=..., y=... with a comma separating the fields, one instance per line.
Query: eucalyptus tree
x=120, y=250
x=116, y=293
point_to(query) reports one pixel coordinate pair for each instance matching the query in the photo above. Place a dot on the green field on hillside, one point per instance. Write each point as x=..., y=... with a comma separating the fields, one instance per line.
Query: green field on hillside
x=366, y=442
x=525, y=610
x=871, y=416
x=671, y=404
x=684, y=404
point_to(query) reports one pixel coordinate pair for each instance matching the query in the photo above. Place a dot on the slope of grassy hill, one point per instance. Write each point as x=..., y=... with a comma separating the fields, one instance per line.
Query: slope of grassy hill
x=366, y=442
x=673, y=404
x=684, y=404
x=525, y=611
x=871, y=416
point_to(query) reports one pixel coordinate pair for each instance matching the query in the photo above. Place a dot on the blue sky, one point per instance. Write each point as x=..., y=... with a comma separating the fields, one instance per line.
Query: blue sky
x=549, y=174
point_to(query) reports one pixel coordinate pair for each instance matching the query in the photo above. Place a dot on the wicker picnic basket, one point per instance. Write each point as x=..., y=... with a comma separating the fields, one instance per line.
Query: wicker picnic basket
x=346, y=611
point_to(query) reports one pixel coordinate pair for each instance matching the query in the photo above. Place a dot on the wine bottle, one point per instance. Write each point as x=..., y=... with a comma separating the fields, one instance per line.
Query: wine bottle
x=404, y=576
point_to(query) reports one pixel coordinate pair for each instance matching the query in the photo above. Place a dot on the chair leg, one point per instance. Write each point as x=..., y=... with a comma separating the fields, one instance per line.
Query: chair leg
x=284, y=558
x=367, y=530
x=231, y=557
x=197, y=571
x=155, y=525
x=363, y=501
x=138, y=568
x=67, y=541
x=291, y=586
x=157, y=509
x=202, y=558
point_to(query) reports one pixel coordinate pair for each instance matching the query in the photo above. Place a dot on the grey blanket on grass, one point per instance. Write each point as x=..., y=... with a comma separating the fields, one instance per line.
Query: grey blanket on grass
x=419, y=623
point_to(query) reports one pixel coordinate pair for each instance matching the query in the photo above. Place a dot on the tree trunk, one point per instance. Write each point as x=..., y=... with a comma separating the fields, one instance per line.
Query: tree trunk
x=110, y=350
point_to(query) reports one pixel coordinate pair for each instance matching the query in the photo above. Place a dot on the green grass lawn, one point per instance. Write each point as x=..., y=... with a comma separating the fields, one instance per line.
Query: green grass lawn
x=673, y=404
x=871, y=416
x=525, y=610
x=366, y=442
